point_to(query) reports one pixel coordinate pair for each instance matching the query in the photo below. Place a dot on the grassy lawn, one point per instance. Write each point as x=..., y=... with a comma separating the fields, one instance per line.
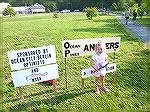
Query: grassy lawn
x=128, y=93
x=145, y=20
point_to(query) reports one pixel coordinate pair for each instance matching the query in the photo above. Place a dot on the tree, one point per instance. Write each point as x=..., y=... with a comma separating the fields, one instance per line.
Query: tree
x=141, y=10
x=114, y=6
x=134, y=7
x=9, y=11
x=50, y=6
x=91, y=12
x=147, y=7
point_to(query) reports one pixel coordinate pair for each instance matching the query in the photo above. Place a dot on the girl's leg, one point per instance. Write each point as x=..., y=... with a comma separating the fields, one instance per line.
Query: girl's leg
x=102, y=78
x=96, y=82
x=96, y=86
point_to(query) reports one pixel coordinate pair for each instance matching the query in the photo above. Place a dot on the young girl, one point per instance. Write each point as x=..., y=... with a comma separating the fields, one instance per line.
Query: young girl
x=99, y=62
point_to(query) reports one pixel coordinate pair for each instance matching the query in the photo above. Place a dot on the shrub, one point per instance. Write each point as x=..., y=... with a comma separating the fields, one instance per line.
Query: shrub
x=91, y=12
x=9, y=11
x=55, y=15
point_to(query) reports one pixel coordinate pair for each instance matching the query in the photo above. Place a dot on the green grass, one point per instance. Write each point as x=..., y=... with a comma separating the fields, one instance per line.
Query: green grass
x=128, y=93
x=145, y=20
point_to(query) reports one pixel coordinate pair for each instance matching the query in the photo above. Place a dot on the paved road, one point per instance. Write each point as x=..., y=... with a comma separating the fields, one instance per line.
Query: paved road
x=141, y=32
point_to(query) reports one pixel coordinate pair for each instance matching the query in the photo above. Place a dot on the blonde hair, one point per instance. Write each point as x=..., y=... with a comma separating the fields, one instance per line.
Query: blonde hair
x=100, y=45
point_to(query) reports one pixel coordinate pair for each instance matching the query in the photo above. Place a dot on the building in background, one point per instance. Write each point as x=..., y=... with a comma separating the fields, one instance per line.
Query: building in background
x=37, y=8
x=23, y=10
x=2, y=7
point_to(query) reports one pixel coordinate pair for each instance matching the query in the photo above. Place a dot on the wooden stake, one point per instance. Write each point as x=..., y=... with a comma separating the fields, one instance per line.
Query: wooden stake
x=82, y=84
x=114, y=73
x=66, y=77
x=54, y=85
x=21, y=93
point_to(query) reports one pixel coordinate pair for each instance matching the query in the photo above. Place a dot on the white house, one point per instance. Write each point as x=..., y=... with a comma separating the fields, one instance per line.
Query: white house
x=22, y=10
x=37, y=8
x=2, y=7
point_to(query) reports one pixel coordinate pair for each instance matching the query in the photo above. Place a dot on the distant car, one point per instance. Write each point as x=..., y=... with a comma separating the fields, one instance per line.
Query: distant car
x=76, y=10
x=65, y=11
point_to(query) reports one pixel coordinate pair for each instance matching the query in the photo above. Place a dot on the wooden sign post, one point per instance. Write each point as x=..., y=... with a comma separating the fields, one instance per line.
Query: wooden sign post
x=21, y=93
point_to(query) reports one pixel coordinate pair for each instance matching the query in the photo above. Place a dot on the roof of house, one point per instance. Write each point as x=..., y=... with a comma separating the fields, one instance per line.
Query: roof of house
x=22, y=8
x=37, y=6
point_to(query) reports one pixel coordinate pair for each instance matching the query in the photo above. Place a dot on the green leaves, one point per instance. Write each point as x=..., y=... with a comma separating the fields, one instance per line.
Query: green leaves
x=9, y=11
x=91, y=12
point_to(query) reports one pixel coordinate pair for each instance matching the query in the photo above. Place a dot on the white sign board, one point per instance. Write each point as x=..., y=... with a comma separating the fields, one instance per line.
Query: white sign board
x=33, y=57
x=35, y=75
x=89, y=72
x=82, y=47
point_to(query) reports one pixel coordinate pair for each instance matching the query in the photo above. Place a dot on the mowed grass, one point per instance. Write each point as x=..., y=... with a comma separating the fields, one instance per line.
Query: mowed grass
x=129, y=92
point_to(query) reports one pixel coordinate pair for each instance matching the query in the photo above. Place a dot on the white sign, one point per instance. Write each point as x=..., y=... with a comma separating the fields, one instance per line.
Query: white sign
x=35, y=75
x=82, y=47
x=33, y=57
x=89, y=72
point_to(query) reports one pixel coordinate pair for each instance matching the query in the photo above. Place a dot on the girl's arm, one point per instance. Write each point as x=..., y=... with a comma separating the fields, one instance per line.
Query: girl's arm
x=93, y=63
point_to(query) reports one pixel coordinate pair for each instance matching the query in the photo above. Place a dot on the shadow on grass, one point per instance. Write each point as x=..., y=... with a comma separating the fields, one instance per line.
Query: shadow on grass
x=134, y=71
x=52, y=100
x=97, y=30
x=109, y=21
x=81, y=20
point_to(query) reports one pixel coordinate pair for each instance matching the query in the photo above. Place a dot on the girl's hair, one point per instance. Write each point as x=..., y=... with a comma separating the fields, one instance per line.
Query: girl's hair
x=100, y=45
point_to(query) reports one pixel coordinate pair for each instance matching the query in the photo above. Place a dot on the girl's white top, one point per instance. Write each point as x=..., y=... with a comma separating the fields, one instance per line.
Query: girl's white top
x=100, y=59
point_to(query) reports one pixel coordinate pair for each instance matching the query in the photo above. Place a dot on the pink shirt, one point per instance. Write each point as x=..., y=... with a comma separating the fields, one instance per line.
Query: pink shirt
x=100, y=59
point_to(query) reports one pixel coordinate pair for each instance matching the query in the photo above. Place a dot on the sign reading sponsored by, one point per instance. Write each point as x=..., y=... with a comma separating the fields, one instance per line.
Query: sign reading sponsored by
x=33, y=57
x=35, y=75
x=89, y=72
x=82, y=47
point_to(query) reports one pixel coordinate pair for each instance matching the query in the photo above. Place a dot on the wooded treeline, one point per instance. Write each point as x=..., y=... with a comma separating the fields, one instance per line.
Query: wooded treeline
x=80, y=4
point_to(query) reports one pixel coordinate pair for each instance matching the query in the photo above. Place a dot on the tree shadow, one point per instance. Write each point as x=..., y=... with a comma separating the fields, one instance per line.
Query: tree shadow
x=97, y=30
x=109, y=21
x=81, y=20
x=50, y=100
x=134, y=71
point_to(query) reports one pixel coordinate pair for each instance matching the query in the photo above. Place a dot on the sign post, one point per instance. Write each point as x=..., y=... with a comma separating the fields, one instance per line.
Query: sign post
x=66, y=77
x=33, y=65
x=82, y=84
x=114, y=74
x=21, y=93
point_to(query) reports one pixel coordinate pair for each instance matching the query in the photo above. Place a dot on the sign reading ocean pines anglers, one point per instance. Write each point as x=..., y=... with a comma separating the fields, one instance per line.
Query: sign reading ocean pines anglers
x=33, y=57
x=35, y=75
x=82, y=47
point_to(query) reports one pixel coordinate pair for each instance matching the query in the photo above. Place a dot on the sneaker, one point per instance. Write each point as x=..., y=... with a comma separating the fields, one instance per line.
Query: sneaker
x=104, y=89
x=97, y=91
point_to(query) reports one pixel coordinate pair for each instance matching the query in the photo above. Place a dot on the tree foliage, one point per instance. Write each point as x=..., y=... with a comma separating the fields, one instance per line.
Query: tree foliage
x=9, y=11
x=117, y=5
x=146, y=4
x=50, y=6
x=91, y=12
